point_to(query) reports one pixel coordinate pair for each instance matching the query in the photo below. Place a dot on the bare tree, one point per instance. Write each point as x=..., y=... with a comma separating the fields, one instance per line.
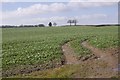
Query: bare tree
x=54, y=24
x=69, y=21
x=72, y=21
x=75, y=22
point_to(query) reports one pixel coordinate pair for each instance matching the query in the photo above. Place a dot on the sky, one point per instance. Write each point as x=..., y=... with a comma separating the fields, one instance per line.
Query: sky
x=18, y=12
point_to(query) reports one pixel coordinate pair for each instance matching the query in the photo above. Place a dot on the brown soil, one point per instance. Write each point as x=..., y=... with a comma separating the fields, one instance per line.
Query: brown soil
x=106, y=55
x=70, y=57
x=103, y=66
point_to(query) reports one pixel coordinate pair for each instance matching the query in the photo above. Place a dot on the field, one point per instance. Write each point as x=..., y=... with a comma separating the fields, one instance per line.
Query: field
x=26, y=50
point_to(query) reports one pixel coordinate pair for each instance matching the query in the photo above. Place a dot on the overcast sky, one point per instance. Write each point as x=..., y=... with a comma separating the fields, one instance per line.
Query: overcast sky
x=17, y=12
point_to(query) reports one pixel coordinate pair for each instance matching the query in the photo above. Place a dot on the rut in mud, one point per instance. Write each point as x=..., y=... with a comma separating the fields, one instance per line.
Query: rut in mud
x=68, y=52
x=101, y=67
x=106, y=56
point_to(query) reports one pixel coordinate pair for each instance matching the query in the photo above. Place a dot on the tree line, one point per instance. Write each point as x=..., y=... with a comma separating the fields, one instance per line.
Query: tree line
x=13, y=26
x=50, y=24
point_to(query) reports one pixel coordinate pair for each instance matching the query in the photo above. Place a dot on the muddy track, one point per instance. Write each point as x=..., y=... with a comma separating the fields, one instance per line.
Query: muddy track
x=106, y=56
x=68, y=52
x=103, y=66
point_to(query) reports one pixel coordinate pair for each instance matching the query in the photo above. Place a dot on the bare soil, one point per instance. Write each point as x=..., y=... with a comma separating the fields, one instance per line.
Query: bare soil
x=70, y=57
x=103, y=65
x=108, y=55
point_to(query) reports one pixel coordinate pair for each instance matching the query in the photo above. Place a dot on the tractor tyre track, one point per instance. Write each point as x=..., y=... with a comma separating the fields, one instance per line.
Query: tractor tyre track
x=101, y=67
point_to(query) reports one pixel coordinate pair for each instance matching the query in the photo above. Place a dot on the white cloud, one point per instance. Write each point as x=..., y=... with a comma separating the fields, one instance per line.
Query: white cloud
x=59, y=1
x=94, y=16
x=58, y=7
x=33, y=0
x=51, y=8
x=94, y=0
x=91, y=3
x=44, y=20
x=58, y=19
x=35, y=9
x=7, y=0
